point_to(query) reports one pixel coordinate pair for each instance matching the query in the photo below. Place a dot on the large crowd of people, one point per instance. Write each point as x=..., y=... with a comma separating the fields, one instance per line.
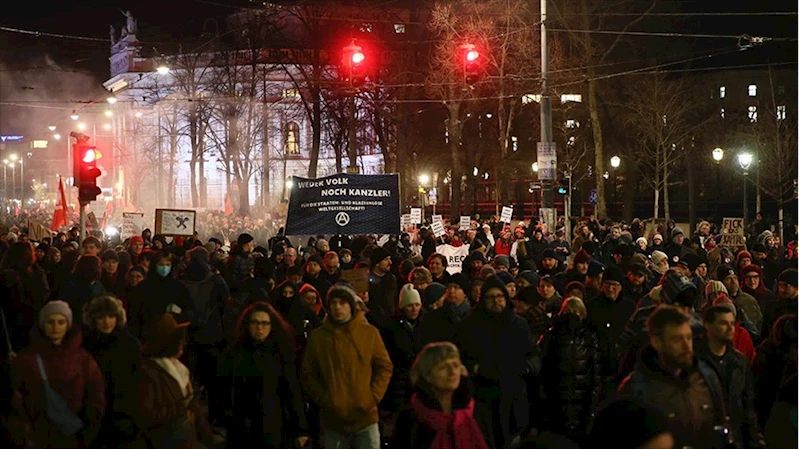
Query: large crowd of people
x=615, y=336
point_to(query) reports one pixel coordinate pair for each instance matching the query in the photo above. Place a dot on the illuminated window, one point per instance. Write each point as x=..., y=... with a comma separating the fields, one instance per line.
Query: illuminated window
x=529, y=98
x=39, y=144
x=399, y=28
x=514, y=142
x=752, y=114
x=291, y=145
x=291, y=93
x=577, y=98
x=722, y=91
x=752, y=89
x=366, y=28
x=571, y=123
x=722, y=113
x=781, y=114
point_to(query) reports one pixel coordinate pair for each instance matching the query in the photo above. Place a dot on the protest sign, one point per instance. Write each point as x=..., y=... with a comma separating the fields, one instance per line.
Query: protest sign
x=175, y=222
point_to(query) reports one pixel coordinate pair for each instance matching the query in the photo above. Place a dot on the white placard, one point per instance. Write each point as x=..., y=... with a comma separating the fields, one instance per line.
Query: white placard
x=438, y=218
x=454, y=255
x=132, y=224
x=507, y=214
x=416, y=215
x=405, y=221
x=466, y=223
x=174, y=222
x=438, y=228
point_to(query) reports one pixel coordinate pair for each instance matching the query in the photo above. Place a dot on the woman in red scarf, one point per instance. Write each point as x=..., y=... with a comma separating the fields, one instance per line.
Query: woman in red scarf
x=443, y=414
x=752, y=283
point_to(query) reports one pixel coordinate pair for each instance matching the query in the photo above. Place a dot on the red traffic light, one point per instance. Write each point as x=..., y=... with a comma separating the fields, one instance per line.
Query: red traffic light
x=90, y=156
x=357, y=57
x=472, y=55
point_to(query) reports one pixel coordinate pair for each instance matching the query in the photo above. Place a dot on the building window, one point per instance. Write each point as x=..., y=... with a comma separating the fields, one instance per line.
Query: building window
x=752, y=114
x=514, y=142
x=781, y=112
x=723, y=115
x=565, y=98
x=366, y=28
x=399, y=28
x=722, y=91
x=571, y=124
x=290, y=93
x=780, y=90
x=530, y=98
x=291, y=145
x=752, y=89
x=39, y=144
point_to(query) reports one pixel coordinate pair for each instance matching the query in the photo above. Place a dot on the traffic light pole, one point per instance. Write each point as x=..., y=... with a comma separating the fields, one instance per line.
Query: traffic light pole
x=82, y=222
x=546, y=104
x=353, y=148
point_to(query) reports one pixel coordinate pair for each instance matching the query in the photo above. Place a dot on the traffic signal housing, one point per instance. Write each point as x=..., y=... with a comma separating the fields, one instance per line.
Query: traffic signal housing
x=562, y=188
x=354, y=65
x=471, y=64
x=87, y=173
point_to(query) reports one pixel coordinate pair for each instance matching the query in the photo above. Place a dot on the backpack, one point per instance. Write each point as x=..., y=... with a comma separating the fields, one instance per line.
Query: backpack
x=200, y=292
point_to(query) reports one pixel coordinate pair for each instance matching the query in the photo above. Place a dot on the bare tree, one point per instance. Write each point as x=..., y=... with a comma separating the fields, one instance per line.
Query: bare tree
x=662, y=117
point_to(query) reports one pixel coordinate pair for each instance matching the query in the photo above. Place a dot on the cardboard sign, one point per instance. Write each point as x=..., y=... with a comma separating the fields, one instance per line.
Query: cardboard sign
x=507, y=214
x=438, y=228
x=132, y=224
x=416, y=215
x=466, y=223
x=405, y=222
x=359, y=279
x=733, y=233
x=37, y=232
x=93, y=223
x=437, y=218
x=175, y=222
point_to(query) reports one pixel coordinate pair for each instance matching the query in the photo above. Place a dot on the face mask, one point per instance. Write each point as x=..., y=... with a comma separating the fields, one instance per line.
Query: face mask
x=163, y=270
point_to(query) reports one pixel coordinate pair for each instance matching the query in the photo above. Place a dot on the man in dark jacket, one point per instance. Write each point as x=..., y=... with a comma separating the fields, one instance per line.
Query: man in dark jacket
x=670, y=379
x=495, y=345
x=735, y=373
x=383, y=291
x=786, y=303
x=242, y=263
x=634, y=285
x=442, y=324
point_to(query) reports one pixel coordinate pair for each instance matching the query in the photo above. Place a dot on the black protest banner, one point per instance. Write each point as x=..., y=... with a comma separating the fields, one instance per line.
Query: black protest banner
x=344, y=204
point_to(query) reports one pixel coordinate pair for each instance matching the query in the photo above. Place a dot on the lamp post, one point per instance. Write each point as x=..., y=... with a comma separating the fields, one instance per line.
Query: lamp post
x=13, y=158
x=5, y=183
x=615, y=161
x=745, y=161
x=423, y=180
x=718, y=155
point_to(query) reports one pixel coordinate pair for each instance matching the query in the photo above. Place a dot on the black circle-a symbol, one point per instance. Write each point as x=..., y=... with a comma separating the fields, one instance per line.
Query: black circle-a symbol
x=342, y=219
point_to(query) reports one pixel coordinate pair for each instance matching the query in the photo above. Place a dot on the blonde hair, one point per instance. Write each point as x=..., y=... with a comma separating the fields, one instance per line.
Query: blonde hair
x=574, y=305
x=430, y=356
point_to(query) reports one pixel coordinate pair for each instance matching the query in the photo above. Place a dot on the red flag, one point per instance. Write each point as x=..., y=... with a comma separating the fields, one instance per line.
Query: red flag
x=60, y=214
x=228, y=205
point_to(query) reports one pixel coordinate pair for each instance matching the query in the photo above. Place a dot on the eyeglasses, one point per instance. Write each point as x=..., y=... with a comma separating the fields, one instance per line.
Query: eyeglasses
x=255, y=323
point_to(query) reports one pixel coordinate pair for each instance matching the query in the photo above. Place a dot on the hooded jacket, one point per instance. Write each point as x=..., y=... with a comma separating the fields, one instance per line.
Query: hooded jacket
x=345, y=371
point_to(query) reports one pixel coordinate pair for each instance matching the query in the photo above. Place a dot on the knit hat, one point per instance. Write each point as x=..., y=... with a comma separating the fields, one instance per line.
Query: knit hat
x=487, y=271
x=315, y=258
x=136, y=239
x=657, y=237
x=528, y=295
x=52, y=307
x=751, y=268
x=244, y=239
x=433, y=293
x=789, y=276
x=690, y=261
x=639, y=259
x=639, y=240
x=613, y=273
x=478, y=255
x=110, y=254
x=409, y=295
x=639, y=269
x=678, y=289
x=676, y=231
x=493, y=282
x=715, y=287
x=158, y=332
x=506, y=277
x=105, y=305
x=582, y=256
x=377, y=255
x=723, y=271
x=138, y=269
x=530, y=276
x=658, y=257
x=461, y=281
x=623, y=249
x=575, y=285
x=342, y=291
x=626, y=423
x=321, y=243
x=502, y=261
x=548, y=253
x=595, y=269
x=743, y=255
x=725, y=301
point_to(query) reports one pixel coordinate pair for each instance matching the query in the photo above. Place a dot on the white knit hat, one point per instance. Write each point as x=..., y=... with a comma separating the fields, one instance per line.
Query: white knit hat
x=409, y=295
x=53, y=307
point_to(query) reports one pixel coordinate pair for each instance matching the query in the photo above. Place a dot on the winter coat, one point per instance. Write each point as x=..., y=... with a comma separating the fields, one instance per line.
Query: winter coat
x=775, y=363
x=72, y=373
x=403, y=339
x=152, y=296
x=340, y=361
x=774, y=311
x=30, y=291
x=539, y=315
x=240, y=268
x=735, y=373
x=692, y=401
x=442, y=324
x=262, y=396
x=608, y=319
x=570, y=375
x=383, y=294
x=212, y=331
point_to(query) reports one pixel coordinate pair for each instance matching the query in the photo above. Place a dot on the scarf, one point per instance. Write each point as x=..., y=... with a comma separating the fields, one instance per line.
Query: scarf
x=458, y=430
x=177, y=370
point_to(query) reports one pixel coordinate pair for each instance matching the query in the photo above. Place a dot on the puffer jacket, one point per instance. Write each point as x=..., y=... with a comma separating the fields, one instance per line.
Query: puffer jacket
x=345, y=371
x=693, y=402
x=570, y=376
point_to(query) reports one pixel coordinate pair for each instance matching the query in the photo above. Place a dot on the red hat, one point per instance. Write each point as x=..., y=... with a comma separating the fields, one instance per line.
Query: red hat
x=519, y=229
x=136, y=239
x=582, y=256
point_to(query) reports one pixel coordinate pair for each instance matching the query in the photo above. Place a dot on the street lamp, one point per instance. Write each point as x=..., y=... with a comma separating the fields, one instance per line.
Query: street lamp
x=615, y=161
x=51, y=127
x=111, y=100
x=5, y=183
x=745, y=160
x=57, y=136
x=535, y=167
x=718, y=155
x=81, y=126
x=162, y=69
x=74, y=115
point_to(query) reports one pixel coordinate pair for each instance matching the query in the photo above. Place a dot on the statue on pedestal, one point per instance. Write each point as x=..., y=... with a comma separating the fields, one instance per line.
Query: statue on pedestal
x=130, y=25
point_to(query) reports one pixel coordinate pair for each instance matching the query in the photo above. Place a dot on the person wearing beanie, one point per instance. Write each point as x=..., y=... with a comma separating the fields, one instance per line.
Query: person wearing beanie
x=112, y=278
x=433, y=296
x=677, y=247
x=576, y=272
x=733, y=368
x=712, y=290
x=641, y=246
x=501, y=263
x=448, y=308
x=383, y=287
x=476, y=261
x=659, y=262
x=752, y=282
x=746, y=302
x=550, y=264
x=743, y=259
x=241, y=263
x=528, y=278
x=55, y=358
x=636, y=282
x=786, y=303
x=626, y=423
x=495, y=342
x=113, y=347
x=403, y=340
x=576, y=289
x=341, y=357
x=313, y=274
